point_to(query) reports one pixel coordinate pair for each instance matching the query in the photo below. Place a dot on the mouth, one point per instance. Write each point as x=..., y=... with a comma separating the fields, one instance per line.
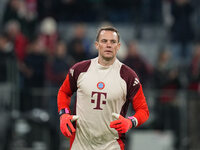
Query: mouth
x=108, y=51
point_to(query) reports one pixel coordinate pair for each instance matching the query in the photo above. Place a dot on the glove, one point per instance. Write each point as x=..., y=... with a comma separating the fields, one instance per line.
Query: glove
x=122, y=125
x=66, y=122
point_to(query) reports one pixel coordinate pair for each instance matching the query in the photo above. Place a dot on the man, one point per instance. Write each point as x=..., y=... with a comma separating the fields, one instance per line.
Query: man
x=104, y=87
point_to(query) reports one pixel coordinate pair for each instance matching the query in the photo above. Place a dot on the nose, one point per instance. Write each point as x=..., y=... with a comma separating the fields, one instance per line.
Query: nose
x=108, y=44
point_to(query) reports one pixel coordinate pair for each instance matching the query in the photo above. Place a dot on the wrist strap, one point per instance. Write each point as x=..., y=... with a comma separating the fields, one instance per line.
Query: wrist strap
x=134, y=121
x=63, y=111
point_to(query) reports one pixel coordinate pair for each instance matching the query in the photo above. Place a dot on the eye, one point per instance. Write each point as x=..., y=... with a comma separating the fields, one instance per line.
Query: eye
x=113, y=41
x=103, y=40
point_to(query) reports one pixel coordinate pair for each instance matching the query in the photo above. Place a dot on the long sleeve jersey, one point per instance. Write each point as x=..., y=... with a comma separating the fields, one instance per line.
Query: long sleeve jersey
x=101, y=91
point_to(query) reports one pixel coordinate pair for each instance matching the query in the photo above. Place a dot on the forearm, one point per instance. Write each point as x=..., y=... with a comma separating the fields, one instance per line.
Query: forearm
x=141, y=116
x=64, y=95
x=140, y=107
x=63, y=100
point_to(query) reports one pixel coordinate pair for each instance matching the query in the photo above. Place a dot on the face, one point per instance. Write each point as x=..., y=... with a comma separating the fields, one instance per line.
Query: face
x=107, y=45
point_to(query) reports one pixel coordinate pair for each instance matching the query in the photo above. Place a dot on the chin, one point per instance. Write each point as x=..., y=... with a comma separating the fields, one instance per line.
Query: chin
x=108, y=58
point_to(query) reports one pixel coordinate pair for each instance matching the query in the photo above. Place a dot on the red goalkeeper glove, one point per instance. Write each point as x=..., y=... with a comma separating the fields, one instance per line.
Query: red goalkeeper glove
x=66, y=123
x=122, y=125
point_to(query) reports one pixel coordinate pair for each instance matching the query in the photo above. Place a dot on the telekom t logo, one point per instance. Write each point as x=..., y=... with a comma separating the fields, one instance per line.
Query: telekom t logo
x=99, y=96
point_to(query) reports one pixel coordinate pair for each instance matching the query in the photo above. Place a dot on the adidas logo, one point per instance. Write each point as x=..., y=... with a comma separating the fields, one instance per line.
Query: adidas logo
x=71, y=72
x=136, y=82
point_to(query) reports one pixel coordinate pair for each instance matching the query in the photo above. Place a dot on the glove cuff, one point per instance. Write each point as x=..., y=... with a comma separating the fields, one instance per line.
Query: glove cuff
x=134, y=121
x=63, y=111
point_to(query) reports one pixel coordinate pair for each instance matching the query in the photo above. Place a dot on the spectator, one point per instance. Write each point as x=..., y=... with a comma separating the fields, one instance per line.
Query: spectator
x=182, y=33
x=194, y=70
x=166, y=77
x=35, y=61
x=6, y=56
x=16, y=36
x=33, y=70
x=138, y=63
x=23, y=11
x=14, y=11
x=166, y=82
x=79, y=47
x=48, y=34
x=56, y=70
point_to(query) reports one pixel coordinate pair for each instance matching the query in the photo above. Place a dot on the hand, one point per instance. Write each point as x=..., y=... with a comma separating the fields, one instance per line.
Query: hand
x=122, y=125
x=65, y=122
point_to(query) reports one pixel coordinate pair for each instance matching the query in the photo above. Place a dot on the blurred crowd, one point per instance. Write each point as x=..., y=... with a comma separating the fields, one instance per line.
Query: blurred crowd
x=30, y=37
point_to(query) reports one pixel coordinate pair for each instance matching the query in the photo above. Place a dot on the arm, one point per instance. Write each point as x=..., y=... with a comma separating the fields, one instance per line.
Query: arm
x=140, y=106
x=64, y=99
x=136, y=97
x=67, y=89
x=64, y=95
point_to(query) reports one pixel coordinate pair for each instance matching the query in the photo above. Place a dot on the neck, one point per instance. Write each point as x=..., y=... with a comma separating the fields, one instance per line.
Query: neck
x=102, y=61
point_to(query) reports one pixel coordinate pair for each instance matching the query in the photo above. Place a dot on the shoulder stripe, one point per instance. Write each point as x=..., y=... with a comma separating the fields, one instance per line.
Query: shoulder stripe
x=75, y=71
x=131, y=80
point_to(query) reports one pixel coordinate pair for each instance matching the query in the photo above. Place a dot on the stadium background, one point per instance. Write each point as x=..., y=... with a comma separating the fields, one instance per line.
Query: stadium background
x=41, y=39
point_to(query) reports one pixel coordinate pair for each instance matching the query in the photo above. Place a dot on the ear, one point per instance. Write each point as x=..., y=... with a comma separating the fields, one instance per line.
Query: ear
x=97, y=45
x=118, y=46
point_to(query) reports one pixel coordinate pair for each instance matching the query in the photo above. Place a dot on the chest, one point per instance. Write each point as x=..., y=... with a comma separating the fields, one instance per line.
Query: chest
x=102, y=84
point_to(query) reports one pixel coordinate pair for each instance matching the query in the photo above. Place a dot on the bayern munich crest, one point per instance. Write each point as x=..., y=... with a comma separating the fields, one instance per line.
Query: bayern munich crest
x=100, y=85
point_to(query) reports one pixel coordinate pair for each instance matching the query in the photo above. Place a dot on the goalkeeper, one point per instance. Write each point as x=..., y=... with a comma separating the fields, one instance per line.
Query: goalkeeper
x=104, y=88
